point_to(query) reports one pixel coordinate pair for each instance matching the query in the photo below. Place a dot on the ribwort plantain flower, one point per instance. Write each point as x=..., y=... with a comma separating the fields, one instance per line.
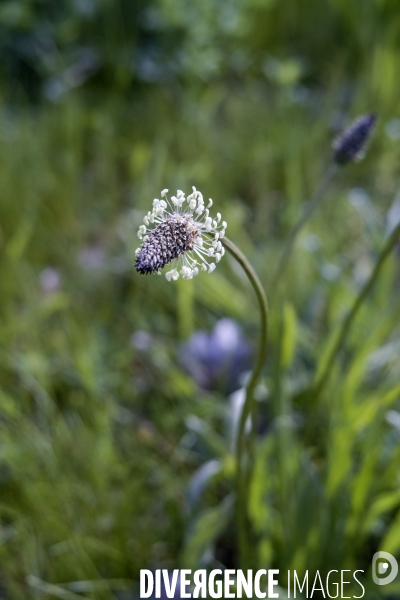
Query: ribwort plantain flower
x=352, y=144
x=180, y=232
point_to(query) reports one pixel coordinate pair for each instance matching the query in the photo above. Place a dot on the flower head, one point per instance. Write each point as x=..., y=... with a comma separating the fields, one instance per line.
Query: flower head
x=352, y=144
x=180, y=231
x=221, y=356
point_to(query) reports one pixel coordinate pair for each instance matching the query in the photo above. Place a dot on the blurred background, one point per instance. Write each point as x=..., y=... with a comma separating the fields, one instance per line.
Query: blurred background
x=118, y=392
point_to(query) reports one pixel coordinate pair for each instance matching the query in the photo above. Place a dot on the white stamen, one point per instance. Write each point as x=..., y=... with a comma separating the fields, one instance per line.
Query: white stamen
x=186, y=272
x=177, y=201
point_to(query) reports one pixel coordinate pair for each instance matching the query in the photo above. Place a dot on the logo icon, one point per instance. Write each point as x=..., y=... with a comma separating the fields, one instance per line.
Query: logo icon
x=383, y=567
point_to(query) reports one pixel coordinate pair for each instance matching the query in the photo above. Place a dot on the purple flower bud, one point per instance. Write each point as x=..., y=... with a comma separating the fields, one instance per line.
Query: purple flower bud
x=352, y=144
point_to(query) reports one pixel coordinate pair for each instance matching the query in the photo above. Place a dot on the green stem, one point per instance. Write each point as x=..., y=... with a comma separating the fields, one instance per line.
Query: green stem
x=391, y=242
x=244, y=538
x=309, y=210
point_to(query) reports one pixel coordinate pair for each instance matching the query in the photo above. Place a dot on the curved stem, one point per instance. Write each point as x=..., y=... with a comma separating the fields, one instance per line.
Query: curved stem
x=309, y=210
x=245, y=548
x=391, y=242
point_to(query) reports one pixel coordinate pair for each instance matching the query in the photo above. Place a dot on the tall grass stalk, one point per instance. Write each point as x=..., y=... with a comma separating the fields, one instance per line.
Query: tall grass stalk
x=242, y=473
x=386, y=251
x=307, y=213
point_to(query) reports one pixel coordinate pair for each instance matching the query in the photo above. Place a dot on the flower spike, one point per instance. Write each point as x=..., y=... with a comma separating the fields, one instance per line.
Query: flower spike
x=184, y=235
x=352, y=144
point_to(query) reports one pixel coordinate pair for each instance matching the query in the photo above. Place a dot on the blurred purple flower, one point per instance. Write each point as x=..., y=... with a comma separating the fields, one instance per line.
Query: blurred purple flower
x=393, y=215
x=141, y=340
x=219, y=357
x=92, y=257
x=393, y=218
x=50, y=281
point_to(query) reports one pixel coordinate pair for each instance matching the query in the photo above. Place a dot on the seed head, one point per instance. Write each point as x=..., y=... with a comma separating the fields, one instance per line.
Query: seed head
x=174, y=236
x=184, y=235
x=352, y=144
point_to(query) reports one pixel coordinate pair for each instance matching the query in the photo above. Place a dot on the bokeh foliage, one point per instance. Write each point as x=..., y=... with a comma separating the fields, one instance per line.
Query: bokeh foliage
x=102, y=431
